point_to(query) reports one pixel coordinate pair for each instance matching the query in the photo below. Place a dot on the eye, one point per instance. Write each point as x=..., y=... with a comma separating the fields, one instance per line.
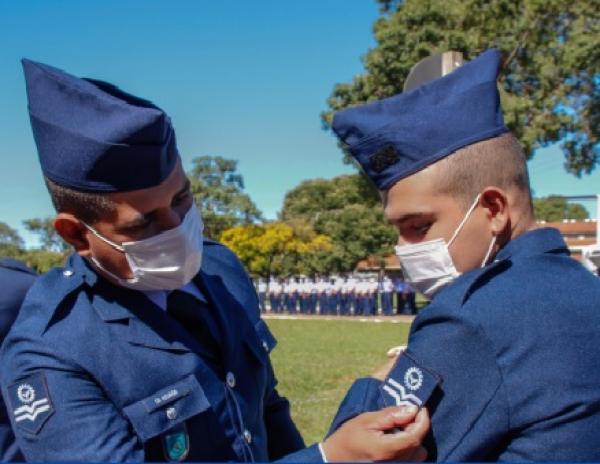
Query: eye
x=414, y=231
x=138, y=227
x=421, y=229
x=179, y=199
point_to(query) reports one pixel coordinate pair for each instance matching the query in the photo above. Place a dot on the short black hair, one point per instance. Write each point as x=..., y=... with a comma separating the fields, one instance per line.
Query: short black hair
x=87, y=206
x=498, y=162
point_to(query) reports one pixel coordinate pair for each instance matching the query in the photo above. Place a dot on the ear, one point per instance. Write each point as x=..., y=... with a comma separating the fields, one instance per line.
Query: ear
x=73, y=232
x=495, y=201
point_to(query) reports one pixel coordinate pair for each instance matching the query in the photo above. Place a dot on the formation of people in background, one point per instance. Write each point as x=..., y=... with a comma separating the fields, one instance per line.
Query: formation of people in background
x=336, y=296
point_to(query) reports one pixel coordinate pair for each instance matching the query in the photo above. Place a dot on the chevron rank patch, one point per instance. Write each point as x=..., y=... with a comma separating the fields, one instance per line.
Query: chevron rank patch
x=409, y=383
x=30, y=403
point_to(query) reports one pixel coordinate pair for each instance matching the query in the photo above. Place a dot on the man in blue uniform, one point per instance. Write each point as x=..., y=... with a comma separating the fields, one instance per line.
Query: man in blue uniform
x=503, y=356
x=15, y=280
x=148, y=344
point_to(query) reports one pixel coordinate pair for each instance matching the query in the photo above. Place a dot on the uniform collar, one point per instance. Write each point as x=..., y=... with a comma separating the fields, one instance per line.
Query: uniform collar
x=159, y=297
x=534, y=242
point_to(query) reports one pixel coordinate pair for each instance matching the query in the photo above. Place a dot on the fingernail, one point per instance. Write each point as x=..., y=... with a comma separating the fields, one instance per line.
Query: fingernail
x=412, y=409
x=408, y=410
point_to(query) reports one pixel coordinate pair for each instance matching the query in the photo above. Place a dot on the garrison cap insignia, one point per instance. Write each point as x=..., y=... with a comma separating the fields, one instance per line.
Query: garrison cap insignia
x=383, y=158
x=30, y=403
x=408, y=383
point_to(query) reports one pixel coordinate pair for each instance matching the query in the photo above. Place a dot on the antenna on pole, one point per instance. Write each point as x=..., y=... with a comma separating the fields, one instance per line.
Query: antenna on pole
x=432, y=67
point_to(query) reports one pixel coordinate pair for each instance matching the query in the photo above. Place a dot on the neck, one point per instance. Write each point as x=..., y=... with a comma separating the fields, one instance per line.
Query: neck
x=522, y=224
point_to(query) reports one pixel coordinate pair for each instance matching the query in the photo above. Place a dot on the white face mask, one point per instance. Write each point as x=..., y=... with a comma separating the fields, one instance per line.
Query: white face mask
x=166, y=261
x=428, y=266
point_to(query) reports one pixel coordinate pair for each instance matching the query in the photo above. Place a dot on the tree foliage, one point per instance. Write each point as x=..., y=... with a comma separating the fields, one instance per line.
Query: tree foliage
x=276, y=248
x=10, y=241
x=218, y=191
x=11, y=246
x=556, y=208
x=50, y=240
x=348, y=210
x=550, y=79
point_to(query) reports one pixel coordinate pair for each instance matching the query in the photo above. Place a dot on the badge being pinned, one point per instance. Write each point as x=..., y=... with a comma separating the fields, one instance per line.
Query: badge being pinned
x=176, y=443
x=408, y=383
x=30, y=403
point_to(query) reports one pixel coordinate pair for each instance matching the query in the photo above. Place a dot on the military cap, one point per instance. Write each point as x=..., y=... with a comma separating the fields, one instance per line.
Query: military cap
x=92, y=136
x=400, y=135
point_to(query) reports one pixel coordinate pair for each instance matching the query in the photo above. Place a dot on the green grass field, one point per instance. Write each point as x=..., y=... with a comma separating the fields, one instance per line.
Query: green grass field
x=316, y=361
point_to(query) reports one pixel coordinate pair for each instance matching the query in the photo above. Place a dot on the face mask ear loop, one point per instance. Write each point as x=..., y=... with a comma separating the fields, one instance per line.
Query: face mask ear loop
x=465, y=219
x=116, y=246
x=489, y=252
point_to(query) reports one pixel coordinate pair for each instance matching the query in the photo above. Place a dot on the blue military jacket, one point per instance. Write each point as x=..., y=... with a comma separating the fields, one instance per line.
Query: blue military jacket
x=93, y=371
x=506, y=360
x=15, y=281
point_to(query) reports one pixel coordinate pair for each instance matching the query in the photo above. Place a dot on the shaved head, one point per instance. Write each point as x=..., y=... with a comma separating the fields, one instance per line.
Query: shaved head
x=498, y=162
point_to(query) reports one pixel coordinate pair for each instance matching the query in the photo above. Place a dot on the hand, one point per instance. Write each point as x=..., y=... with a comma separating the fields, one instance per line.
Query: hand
x=396, y=351
x=364, y=439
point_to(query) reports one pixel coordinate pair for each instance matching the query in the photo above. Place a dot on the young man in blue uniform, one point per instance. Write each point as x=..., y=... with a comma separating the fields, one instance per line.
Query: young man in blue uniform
x=148, y=344
x=503, y=356
x=15, y=280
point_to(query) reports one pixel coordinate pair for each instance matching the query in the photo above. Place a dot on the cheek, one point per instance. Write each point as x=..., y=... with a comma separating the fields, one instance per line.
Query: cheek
x=113, y=260
x=470, y=247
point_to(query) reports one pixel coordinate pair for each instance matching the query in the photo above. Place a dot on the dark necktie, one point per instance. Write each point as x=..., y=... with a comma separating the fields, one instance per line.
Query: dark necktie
x=195, y=317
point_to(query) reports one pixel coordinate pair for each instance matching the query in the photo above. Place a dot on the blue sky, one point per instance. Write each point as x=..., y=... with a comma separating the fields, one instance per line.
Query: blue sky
x=240, y=79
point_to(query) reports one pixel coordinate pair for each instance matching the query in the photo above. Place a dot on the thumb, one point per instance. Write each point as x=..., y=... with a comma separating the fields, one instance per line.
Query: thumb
x=392, y=417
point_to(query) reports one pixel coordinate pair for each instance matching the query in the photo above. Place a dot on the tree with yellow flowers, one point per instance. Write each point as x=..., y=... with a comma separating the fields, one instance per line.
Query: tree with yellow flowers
x=277, y=248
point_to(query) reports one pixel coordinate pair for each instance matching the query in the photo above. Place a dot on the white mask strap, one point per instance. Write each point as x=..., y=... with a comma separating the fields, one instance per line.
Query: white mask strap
x=465, y=219
x=489, y=252
x=116, y=246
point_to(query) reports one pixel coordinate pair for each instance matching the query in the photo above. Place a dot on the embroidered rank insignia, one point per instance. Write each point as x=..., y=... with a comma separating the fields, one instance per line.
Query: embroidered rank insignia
x=30, y=402
x=176, y=443
x=383, y=158
x=408, y=383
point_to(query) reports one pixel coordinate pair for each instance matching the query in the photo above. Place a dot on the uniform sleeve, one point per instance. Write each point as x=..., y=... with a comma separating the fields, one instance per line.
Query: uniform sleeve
x=363, y=396
x=282, y=434
x=469, y=411
x=60, y=414
x=9, y=451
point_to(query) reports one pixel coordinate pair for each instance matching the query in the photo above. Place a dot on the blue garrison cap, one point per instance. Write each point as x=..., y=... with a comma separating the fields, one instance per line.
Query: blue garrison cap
x=93, y=137
x=398, y=136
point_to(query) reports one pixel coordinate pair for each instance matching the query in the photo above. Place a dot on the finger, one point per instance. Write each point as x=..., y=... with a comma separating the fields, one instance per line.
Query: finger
x=410, y=438
x=420, y=426
x=396, y=350
x=393, y=417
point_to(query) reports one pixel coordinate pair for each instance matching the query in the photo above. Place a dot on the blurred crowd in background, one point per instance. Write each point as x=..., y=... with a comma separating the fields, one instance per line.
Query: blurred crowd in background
x=352, y=295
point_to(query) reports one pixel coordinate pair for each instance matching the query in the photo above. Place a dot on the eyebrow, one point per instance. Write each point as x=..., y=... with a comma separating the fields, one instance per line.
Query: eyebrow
x=407, y=217
x=141, y=219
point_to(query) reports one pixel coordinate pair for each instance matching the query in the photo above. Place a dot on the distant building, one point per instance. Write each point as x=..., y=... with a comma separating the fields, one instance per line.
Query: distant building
x=577, y=234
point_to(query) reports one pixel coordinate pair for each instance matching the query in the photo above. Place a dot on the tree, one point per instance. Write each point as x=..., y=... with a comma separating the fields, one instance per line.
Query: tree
x=11, y=246
x=10, y=241
x=275, y=248
x=49, y=238
x=550, y=79
x=218, y=191
x=556, y=208
x=41, y=260
x=348, y=210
